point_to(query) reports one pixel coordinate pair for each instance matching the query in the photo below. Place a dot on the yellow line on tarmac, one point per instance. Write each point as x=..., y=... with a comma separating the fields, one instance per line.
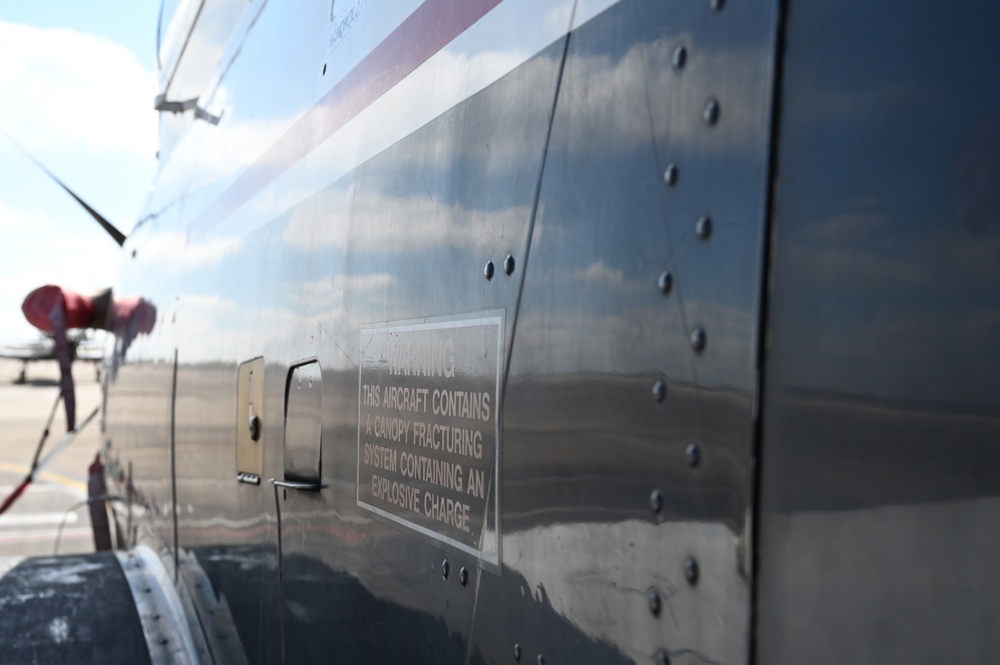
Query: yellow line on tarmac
x=57, y=478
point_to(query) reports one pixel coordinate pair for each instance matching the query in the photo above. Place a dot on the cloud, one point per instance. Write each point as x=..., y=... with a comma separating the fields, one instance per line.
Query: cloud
x=65, y=90
x=12, y=219
x=600, y=273
x=173, y=250
x=377, y=219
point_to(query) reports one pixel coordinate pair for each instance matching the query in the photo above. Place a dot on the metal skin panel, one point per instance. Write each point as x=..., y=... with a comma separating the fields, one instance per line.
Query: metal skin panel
x=642, y=544
x=138, y=398
x=558, y=162
x=420, y=222
x=881, y=422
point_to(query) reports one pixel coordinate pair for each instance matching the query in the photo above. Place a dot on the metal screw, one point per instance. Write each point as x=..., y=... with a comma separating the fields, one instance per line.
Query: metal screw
x=488, y=270
x=508, y=265
x=662, y=657
x=717, y=5
x=703, y=227
x=656, y=501
x=540, y=660
x=680, y=57
x=711, y=113
x=255, y=427
x=517, y=652
x=665, y=282
x=698, y=339
x=463, y=576
x=659, y=390
x=691, y=570
x=693, y=454
x=670, y=175
x=653, y=598
x=445, y=568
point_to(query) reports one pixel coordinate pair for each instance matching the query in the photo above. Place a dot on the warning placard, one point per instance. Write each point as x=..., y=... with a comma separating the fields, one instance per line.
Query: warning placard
x=428, y=427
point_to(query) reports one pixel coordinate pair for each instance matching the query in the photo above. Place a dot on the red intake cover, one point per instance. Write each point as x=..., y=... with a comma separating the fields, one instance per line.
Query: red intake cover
x=40, y=303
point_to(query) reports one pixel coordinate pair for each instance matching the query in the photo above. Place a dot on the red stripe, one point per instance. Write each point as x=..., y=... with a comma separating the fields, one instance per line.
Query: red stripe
x=13, y=496
x=425, y=32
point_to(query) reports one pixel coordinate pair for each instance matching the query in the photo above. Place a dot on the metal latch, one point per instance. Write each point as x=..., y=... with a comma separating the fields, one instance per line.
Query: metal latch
x=250, y=422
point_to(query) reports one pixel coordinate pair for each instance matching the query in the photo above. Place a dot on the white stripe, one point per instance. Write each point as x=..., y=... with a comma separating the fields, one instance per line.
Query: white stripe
x=504, y=39
x=35, y=488
x=38, y=519
x=49, y=535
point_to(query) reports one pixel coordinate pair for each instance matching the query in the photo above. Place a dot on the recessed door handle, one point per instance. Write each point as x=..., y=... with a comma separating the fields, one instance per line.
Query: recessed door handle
x=296, y=485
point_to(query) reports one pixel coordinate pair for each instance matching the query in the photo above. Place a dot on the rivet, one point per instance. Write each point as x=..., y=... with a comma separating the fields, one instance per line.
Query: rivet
x=508, y=265
x=670, y=175
x=445, y=568
x=665, y=282
x=693, y=454
x=698, y=339
x=488, y=270
x=656, y=501
x=659, y=390
x=255, y=428
x=463, y=576
x=653, y=598
x=703, y=227
x=711, y=113
x=662, y=657
x=680, y=57
x=540, y=660
x=517, y=652
x=717, y=5
x=691, y=570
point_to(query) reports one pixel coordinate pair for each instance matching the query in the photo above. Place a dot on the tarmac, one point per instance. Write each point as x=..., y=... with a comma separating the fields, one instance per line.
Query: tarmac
x=51, y=516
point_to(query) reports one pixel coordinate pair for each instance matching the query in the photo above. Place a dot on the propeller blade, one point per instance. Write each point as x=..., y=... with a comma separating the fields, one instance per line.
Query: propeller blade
x=118, y=236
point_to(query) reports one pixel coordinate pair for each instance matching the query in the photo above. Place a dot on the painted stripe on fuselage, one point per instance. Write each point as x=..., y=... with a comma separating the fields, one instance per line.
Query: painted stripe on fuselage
x=425, y=32
x=355, y=94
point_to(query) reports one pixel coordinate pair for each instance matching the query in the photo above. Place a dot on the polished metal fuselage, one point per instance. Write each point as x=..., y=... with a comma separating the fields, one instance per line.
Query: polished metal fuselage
x=732, y=329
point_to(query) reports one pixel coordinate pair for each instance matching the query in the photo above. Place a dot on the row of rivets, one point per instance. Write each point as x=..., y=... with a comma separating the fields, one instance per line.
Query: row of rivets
x=710, y=115
x=508, y=267
x=463, y=572
x=540, y=659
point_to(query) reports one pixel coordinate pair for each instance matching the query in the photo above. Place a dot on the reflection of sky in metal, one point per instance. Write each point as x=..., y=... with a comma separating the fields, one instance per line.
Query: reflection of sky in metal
x=896, y=256
x=379, y=219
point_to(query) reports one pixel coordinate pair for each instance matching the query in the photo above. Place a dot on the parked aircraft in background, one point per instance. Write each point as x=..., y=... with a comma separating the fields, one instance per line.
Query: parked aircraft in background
x=575, y=331
x=85, y=346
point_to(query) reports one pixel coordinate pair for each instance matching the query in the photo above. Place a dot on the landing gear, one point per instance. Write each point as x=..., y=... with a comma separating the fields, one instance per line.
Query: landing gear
x=22, y=378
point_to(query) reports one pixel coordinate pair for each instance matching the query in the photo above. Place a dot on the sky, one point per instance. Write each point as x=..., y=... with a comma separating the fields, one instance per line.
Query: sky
x=77, y=83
